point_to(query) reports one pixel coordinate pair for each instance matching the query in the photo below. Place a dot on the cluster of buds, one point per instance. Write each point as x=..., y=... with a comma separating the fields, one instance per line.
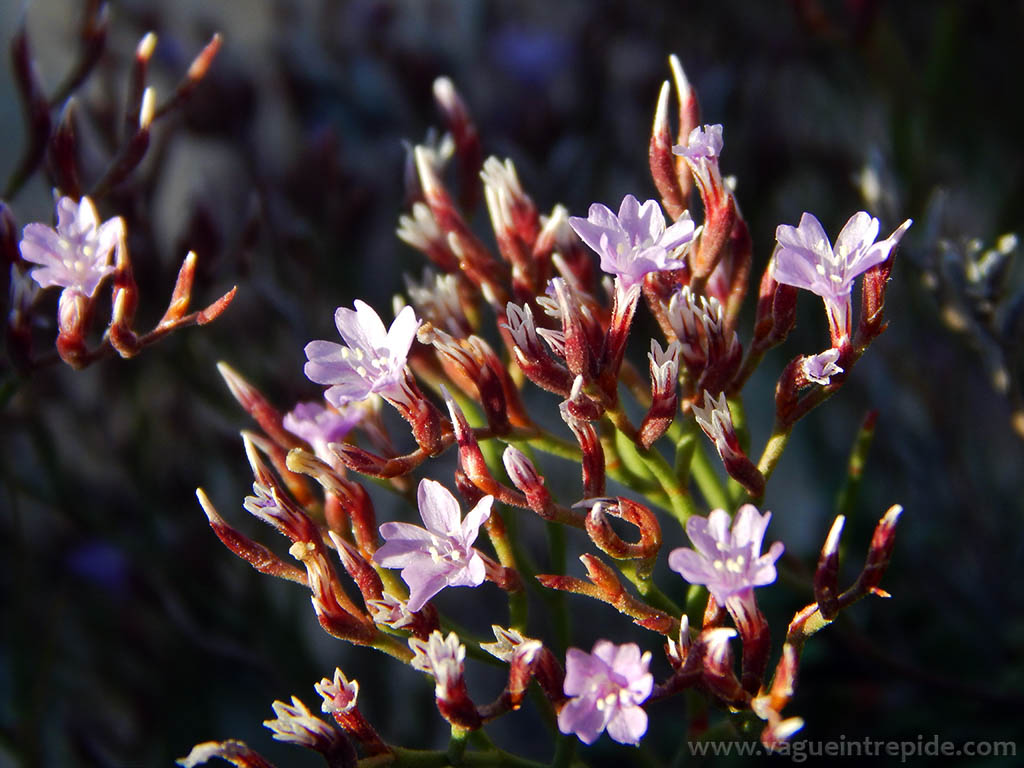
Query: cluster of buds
x=82, y=251
x=560, y=336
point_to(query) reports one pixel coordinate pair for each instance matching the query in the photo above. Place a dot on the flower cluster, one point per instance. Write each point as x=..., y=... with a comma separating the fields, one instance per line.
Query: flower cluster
x=557, y=334
x=83, y=251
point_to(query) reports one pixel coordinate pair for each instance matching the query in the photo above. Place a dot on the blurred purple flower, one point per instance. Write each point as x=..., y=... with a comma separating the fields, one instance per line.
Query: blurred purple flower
x=635, y=242
x=372, y=360
x=805, y=259
x=320, y=426
x=727, y=562
x=532, y=56
x=75, y=255
x=440, y=555
x=607, y=688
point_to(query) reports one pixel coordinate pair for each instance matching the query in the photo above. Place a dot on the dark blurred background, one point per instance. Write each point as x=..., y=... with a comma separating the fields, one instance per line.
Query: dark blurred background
x=128, y=633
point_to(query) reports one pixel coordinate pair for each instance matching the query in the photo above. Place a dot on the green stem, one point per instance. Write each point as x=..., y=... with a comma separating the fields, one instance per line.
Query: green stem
x=686, y=442
x=707, y=479
x=457, y=745
x=858, y=455
x=556, y=548
x=556, y=446
x=648, y=589
x=651, y=464
x=773, y=450
x=565, y=748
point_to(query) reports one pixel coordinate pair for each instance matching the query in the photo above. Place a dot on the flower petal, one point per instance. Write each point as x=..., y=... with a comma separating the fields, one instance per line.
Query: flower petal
x=628, y=725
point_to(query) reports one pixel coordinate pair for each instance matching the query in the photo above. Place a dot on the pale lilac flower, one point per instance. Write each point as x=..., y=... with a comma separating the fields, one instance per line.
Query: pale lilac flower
x=607, y=688
x=372, y=360
x=805, y=259
x=320, y=426
x=75, y=255
x=727, y=561
x=821, y=367
x=339, y=694
x=701, y=152
x=636, y=241
x=703, y=143
x=440, y=555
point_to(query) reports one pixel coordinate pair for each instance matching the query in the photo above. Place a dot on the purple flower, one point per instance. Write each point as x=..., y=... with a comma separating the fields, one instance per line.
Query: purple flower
x=703, y=143
x=805, y=259
x=319, y=426
x=727, y=562
x=636, y=241
x=372, y=360
x=821, y=367
x=701, y=152
x=442, y=554
x=75, y=255
x=607, y=688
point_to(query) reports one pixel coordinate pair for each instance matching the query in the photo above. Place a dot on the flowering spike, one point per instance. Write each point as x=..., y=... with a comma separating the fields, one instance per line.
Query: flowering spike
x=701, y=152
x=471, y=458
x=420, y=230
x=35, y=107
x=664, y=369
x=826, y=589
x=258, y=556
x=295, y=724
x=882, y=542
x=197, y=71
x=235, y=752
x=336, y=613
x=369, y=583
x=529, y=353
x=257, y=406
x=592, y=464
x=443, y=658
x=466, y=140
x=62, y=150
x=716, y=422
x=527, y=479
x=718, y=673
x=661, y=161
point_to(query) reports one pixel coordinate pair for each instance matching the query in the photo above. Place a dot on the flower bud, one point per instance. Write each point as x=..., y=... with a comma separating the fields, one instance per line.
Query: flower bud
x=467, y=141
x=826, y=588
x=525, y=477
x=716, y=421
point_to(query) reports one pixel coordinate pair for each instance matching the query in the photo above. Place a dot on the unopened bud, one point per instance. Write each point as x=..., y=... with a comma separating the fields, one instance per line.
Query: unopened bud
x=826, y=589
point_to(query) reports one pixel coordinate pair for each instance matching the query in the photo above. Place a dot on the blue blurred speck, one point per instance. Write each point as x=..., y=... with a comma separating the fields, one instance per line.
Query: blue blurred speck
x=101, y=564
x=531, y=56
